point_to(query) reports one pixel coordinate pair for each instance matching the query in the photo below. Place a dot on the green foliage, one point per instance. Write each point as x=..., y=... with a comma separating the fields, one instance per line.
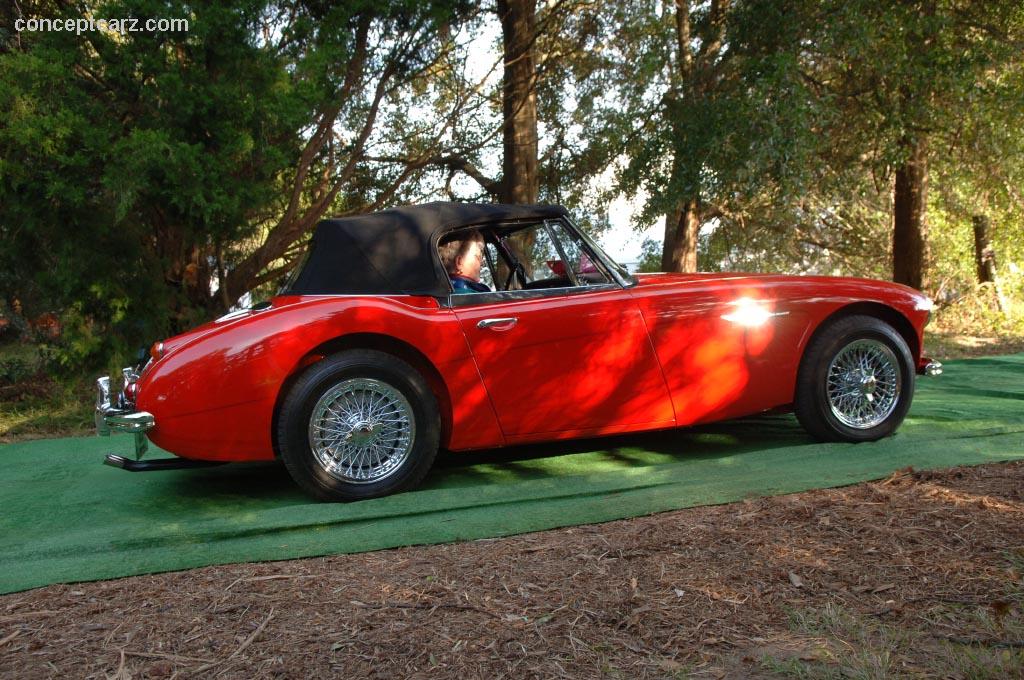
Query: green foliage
x=147, y=180
x=650, y=256
x=789, y=133
x=15, y=369
x=138, y=171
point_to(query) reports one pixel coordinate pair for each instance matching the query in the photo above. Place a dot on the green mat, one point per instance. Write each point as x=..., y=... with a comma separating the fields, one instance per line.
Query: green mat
x=66, y=517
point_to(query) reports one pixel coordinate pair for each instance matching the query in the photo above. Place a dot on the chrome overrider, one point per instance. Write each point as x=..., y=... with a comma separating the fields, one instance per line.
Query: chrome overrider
x=117, y=413
x=933, y=368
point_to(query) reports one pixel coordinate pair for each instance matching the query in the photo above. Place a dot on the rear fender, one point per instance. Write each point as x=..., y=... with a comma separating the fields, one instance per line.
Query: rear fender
x=215, y=397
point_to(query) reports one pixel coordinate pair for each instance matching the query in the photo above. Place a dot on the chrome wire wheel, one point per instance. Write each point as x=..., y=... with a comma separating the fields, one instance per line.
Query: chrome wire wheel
x=361, y=430
x=863, y=384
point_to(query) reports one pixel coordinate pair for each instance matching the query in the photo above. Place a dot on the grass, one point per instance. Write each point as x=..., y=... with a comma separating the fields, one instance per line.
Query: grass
x=974, y=325
x=34, y=405
x=66, y=410
x=948, y=639
x=943, y=344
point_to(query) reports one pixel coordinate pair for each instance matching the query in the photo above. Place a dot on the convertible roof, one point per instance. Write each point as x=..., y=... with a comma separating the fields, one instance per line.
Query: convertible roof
x=394, y=251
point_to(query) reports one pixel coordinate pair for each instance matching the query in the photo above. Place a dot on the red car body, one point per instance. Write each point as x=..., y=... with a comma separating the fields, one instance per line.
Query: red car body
x=388, y=344
x=671, y=350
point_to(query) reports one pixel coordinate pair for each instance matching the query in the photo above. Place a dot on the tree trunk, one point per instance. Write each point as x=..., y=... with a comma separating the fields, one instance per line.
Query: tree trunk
x=682, y=225
x=909, y=204
x=519, y=181
x=984, y=257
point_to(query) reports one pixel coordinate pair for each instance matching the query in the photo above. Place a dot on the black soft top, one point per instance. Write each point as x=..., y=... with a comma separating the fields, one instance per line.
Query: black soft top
x=395, y=251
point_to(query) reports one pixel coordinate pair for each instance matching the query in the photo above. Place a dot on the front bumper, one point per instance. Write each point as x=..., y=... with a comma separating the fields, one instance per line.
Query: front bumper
x=116, y=413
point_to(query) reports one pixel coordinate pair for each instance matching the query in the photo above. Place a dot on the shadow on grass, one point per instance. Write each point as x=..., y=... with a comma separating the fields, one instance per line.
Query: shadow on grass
x=583, y=456
x=270, y=481
x=266, y=483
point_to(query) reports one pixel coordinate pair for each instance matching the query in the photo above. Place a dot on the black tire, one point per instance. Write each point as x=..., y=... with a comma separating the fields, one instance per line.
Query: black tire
x=823, y=418
x=350, y=370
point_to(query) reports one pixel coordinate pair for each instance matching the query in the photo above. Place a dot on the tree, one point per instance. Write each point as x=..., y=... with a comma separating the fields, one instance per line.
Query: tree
x=902, y=77
x=693, y=116
x=156, y=177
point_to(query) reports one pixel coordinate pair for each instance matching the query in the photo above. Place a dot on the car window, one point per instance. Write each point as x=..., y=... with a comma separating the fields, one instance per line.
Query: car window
x=535, y=257
x=544, y=261
x=545, y=255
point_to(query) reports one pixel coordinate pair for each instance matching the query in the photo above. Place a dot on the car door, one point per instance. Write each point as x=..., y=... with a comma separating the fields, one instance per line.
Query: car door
x=570, y=360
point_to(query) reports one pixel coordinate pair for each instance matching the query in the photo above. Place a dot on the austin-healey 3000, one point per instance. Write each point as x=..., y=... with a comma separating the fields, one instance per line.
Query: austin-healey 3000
x=379, y=350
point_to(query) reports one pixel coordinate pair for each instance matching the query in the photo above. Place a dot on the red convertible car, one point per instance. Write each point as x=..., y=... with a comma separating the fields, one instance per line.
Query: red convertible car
x=477, y=326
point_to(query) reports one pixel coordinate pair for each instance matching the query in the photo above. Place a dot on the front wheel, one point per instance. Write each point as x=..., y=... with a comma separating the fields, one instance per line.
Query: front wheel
x=856, y=381
x=359, y=424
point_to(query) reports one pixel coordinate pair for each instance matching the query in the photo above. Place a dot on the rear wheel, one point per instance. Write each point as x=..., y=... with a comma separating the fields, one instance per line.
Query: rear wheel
x=856, y=381
x=357, y=425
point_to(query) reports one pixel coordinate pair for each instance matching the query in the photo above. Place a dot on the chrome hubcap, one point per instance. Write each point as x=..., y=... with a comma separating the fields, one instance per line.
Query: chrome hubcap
x=361, y=430
x=864, y=384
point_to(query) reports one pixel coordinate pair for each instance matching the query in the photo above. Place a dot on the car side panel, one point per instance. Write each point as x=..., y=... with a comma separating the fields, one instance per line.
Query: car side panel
x=719, y=365
x=580, y=362
x=214, y=396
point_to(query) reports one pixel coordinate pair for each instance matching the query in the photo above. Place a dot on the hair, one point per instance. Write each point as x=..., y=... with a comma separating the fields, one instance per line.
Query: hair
x=457, y=247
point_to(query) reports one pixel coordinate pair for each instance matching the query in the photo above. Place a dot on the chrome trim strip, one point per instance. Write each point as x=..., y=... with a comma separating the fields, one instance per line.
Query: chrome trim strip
x=102, y=405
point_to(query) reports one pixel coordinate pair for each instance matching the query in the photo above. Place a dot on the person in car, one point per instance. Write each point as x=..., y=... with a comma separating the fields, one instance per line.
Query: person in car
x=463, y=259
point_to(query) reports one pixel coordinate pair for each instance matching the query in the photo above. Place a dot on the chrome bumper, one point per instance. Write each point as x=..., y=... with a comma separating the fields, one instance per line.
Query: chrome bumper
x=932, y=368
x=116, y=413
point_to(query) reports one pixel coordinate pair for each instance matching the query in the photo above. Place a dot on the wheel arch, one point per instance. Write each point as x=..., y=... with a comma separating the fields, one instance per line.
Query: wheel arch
x=883, y=312
x=381, y=343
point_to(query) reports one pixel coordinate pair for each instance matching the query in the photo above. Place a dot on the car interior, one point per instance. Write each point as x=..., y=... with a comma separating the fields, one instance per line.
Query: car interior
x=535, y=256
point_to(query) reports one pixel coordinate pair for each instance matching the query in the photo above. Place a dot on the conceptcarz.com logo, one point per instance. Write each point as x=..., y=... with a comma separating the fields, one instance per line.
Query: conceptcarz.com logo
x=84, y=25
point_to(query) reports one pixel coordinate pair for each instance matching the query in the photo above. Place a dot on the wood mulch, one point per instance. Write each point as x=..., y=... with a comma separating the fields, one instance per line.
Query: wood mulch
x=919, y=574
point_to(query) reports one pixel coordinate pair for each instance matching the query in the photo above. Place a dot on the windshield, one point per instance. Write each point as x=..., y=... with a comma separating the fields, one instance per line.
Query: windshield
x=622, y=273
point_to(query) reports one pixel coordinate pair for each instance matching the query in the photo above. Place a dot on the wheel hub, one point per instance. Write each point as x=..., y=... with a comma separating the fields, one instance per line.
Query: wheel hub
x=863, y=384
x=362, y=433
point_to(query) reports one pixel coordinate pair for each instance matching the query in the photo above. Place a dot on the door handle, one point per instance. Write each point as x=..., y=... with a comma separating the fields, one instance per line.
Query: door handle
x=499, y=324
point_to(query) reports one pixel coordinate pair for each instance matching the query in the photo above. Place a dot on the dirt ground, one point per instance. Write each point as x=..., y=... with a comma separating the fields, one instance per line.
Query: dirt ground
x=916, y=575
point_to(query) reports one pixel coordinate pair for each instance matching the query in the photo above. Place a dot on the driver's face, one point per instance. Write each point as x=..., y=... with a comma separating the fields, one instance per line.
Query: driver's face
x=470, y=264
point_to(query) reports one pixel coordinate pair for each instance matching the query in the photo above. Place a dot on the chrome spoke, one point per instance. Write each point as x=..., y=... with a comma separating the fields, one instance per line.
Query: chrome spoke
x=361, y=430
x=863, y=383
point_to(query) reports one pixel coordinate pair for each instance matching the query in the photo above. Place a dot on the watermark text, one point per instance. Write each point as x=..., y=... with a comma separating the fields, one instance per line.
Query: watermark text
x=84, y=25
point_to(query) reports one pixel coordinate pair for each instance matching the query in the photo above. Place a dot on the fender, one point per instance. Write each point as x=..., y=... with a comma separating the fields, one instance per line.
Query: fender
x=731, y=344
x=214, y=391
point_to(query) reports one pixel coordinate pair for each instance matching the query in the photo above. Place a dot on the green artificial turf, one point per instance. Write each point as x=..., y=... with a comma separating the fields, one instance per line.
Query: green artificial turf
x=66, y=517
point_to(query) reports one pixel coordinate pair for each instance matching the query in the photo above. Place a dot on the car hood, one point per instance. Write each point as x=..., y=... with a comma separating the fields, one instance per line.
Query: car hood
x=738, y=278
